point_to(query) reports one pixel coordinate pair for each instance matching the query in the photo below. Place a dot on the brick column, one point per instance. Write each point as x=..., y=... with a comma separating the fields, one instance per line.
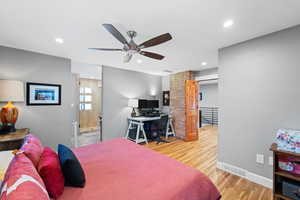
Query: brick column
x=177, y=101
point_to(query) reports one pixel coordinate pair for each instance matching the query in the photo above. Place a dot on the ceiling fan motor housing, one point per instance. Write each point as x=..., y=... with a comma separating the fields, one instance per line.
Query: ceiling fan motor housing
x=132, y=34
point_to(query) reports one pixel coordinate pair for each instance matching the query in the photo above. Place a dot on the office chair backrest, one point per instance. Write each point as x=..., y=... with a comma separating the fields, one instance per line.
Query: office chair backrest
x=163, y=123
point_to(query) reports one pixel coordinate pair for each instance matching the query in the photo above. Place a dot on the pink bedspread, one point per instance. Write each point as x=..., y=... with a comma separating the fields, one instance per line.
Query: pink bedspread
x=121, y=170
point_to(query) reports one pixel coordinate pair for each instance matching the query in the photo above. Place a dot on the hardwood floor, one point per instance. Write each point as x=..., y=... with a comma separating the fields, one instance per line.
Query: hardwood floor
x=202, y=155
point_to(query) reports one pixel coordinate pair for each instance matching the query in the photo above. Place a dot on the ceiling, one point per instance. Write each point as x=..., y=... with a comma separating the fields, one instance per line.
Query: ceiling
x=196, y=27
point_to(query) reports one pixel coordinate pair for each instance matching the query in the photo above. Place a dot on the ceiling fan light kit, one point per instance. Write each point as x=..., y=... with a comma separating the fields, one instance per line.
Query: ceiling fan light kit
x=130, y=48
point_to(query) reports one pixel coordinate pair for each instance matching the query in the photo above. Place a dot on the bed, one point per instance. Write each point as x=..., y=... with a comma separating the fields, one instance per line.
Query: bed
x=122, y=170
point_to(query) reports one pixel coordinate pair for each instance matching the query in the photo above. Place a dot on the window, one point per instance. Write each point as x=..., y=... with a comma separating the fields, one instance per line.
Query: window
x=85, y=98
x=88, y=106
x=85, y=106
x=88, y=90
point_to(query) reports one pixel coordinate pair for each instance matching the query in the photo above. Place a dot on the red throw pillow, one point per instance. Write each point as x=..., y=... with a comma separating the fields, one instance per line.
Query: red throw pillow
x=33, y=149
x=51, y=173
x=23, y=181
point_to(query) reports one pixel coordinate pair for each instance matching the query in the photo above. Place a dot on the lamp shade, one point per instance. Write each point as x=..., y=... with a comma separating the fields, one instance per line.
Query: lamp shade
x=11, y=90
x=134, y=103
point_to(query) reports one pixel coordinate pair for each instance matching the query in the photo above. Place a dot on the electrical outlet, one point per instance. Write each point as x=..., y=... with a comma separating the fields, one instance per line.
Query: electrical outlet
x=270, y=160
x=260, y=158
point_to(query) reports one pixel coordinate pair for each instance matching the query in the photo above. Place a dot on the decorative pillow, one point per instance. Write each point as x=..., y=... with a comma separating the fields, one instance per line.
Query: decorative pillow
x=33, y=139
x=50, y=171
x=72, y=170
x=33, y=149
x=7, y=172
x=23, y=181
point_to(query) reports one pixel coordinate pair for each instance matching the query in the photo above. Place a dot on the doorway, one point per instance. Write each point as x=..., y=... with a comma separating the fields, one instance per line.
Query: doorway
x=90, y=111
x=208, y=101
x=88, y=126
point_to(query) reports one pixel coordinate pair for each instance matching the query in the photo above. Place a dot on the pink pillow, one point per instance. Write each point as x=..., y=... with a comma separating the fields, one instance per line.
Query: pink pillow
x=33, y=149
x=23, y=181
x=33, y=139
x=50, y=171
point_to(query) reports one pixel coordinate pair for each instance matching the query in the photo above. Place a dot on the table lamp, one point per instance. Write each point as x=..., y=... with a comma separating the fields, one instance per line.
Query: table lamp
x=10, y=91
x=133, y=103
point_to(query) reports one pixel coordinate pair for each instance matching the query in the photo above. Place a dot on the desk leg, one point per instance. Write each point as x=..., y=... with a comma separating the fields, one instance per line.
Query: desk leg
x=138, y=134
x=128, y=129
x=173, y=130
x=144, y=134
x=168, y=126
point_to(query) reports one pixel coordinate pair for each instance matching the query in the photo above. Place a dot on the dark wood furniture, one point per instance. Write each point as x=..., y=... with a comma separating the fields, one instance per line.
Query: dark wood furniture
x=279, y=174
x=14, y=140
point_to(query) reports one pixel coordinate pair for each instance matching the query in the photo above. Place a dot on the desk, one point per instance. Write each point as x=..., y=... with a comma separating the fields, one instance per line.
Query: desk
x=139, y=121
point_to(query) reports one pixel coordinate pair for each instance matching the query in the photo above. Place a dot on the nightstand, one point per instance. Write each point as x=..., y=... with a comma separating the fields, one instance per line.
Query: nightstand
x=13, y=140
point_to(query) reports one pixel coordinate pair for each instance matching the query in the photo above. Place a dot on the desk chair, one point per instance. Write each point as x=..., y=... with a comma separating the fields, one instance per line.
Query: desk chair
x=158, y=129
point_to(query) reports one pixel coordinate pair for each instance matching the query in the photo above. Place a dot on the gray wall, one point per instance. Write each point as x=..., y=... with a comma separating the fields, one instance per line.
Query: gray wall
x=209, y=95
x=53, y=124
x=259, y=93
x=119, y=86
x=206, y=72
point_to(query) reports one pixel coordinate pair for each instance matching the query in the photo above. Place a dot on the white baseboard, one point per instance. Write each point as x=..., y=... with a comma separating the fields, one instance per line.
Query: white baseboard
x=245, y=174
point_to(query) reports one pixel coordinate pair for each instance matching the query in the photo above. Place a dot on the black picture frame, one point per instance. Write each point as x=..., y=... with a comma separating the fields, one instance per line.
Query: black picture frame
x=166, y=98
x=28, y=92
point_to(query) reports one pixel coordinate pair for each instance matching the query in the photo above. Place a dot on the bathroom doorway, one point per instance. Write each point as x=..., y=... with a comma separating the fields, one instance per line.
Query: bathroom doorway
x=88, y=127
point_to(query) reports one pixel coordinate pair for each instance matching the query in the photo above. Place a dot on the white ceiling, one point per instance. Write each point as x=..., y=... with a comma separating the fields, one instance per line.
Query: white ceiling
x=196, y=26
x=86, y=70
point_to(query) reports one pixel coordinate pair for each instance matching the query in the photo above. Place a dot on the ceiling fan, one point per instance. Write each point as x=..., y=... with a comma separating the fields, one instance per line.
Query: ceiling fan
x=131, y=47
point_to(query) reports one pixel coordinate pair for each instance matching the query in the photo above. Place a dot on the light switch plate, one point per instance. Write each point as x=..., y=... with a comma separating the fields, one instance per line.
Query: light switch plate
x=270, y=160
x=260, y=158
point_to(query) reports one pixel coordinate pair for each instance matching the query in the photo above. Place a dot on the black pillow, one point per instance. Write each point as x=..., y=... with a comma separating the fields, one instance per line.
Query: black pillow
x=71, y=168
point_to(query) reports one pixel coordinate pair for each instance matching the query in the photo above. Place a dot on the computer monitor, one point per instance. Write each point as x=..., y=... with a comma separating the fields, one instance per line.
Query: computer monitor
x=153, y=103
x=143, y=103
x=150, y=104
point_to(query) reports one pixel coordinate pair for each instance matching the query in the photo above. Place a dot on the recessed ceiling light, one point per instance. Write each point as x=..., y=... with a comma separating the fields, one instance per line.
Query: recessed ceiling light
x=204, y=63
x=59, y=40
x=228, y=23
x=139, y=61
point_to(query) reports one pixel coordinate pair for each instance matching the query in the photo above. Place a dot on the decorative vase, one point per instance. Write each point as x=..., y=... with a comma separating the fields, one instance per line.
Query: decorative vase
x=9, y=116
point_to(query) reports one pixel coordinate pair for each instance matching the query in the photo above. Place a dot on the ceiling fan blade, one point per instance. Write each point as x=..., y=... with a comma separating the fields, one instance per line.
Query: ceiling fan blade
x=152, y=55
x=105, y=49
x=127, y=58
x=156, y=41
x=110, y=28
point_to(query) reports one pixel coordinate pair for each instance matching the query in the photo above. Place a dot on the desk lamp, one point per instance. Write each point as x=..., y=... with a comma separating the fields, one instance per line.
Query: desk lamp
x=133, y=103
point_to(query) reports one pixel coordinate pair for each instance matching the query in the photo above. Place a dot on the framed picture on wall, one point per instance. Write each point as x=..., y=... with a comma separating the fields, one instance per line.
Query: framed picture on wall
x=38, y=94
x=166, y=98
